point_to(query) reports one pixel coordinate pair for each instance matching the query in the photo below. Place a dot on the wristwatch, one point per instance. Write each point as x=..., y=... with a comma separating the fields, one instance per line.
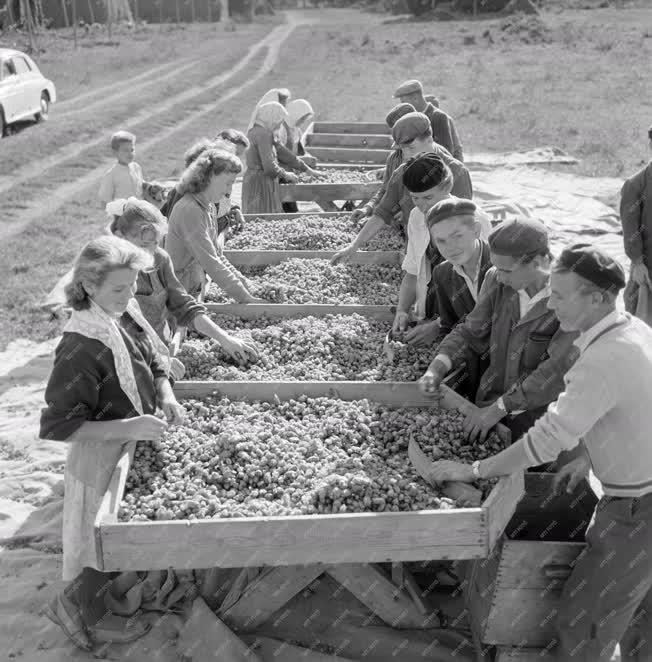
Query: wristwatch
x=500, y=403
x=475, y=468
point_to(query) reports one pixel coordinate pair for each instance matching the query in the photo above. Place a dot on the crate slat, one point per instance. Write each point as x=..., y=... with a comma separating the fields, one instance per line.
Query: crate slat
x=359, y=140
x=373, y=128
x=314, y=192
x=507, y=654
x=278, y=217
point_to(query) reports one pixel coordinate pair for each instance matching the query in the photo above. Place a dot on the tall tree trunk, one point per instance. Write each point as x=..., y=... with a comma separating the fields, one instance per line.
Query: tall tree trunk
x=91, y=11
x=64, y=10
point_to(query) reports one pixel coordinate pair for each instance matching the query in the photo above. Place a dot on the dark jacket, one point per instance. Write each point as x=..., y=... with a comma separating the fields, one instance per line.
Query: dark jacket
x=444, y=132
x=528, y=357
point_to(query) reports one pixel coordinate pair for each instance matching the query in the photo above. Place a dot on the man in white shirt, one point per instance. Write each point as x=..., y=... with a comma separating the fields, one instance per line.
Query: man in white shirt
x=607, y=405
x=512, y=325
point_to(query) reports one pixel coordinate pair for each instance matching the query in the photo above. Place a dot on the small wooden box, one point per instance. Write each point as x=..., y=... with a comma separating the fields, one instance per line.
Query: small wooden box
x=514, y=594
x=461, y=533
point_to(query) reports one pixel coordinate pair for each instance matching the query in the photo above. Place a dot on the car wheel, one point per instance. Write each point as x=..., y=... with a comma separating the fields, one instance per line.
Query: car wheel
x=44, y=113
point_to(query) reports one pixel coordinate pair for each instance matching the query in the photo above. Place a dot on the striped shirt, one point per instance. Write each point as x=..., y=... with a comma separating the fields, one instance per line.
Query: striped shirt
x=607, y=401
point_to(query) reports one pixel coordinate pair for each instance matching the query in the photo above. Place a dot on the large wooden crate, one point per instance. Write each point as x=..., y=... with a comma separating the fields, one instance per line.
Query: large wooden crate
x=514, y=594
x=464, y=533
x=355, y=140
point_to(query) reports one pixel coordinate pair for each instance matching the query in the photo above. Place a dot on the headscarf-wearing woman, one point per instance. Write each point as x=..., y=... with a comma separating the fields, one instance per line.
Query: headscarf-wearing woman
x=277, y=94
x=159, y=292
x=102, y=396
x=300, y=114
x=192, y=239
x=260, y=187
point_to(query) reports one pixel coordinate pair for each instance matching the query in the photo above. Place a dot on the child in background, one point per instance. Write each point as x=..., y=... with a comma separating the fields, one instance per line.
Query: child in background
x=125, y=178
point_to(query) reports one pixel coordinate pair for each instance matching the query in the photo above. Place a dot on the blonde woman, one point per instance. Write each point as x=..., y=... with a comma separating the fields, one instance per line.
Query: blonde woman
x=159, y=293
x=106, y=385
x=192, y=239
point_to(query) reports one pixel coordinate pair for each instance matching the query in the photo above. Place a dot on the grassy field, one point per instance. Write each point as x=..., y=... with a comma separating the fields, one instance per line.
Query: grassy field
x=574, y=79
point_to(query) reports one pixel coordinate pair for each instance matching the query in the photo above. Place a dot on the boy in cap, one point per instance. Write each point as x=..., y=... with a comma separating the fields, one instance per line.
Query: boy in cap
x=636, y=218
x=413, y=135
x=429, y=181
x=456, y=232
x=443, y=127
x=604, y=416
x=511, y=323
x=393, y=161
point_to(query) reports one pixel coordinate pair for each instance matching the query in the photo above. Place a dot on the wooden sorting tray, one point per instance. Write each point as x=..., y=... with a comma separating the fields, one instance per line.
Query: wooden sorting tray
x=464, y=533
x=261, y=258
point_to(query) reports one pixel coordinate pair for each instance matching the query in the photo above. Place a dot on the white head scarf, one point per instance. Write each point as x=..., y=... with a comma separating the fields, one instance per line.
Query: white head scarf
x=297, y=110
x=270, y=115
x=270, y=95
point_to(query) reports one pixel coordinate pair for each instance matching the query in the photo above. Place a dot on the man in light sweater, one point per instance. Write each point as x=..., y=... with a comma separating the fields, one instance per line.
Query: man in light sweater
x=607, y=404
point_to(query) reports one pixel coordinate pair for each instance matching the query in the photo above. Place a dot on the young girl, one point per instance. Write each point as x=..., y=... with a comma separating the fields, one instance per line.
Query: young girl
x=105, y=387
x=159, y=292
x=192, y=233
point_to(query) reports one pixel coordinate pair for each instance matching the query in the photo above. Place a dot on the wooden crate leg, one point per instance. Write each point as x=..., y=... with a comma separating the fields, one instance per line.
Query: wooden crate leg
x=375, y=590
x=269, y=591
x=398, y=574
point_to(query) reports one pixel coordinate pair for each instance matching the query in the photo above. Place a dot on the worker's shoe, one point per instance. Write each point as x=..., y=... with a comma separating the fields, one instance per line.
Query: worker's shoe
x=112, y=629
x=64, y=613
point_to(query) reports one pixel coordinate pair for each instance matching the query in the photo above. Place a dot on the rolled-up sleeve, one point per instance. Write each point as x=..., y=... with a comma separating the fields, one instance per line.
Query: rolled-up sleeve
x=264, y=143
x=389, y=204
x=587, y=397
x=181, y=305
x=71, y=393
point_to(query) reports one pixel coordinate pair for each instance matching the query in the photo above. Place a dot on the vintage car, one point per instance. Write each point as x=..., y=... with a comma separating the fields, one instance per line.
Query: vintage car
x=24, y=92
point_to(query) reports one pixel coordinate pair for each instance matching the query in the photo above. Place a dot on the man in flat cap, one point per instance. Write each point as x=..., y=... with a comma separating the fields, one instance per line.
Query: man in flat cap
x=429, y=181
x=527, y=351
x=443, y=126
x=604, y=416
x=636, y=218
x=393, y=161
x=413, y=135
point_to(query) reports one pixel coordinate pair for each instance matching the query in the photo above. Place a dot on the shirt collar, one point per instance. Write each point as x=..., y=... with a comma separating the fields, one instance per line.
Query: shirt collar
x=585, y=339
x=460, y=270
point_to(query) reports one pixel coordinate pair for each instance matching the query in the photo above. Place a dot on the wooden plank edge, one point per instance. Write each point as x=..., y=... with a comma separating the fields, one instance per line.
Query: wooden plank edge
x=255, y=310
x=501, y=504
x=107, y=513
x=280, y=217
